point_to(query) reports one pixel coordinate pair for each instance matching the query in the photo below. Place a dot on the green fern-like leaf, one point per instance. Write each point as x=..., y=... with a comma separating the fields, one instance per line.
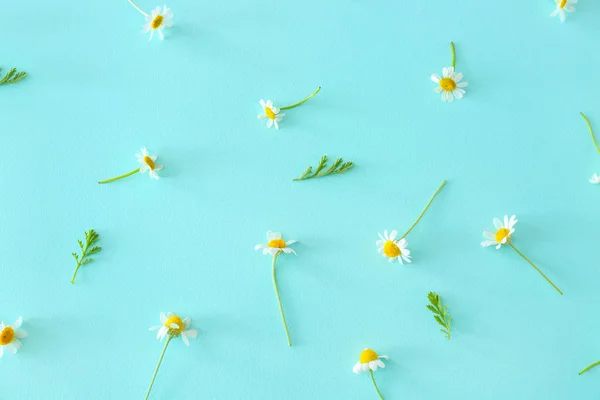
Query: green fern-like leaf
x=91, y=237
x=440, y=313
x=13, y=77
x=338, y=167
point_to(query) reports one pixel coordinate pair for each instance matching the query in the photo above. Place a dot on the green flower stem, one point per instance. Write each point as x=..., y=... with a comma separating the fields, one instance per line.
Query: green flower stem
x=287, y=333
x=591, y=131
x=162, y=355
x=453, y=55
x=135, y=171
x=536, y=268
x=375, y=384
x=590, y=367
x=138, y=8
x=425, y=210
x=303, y=101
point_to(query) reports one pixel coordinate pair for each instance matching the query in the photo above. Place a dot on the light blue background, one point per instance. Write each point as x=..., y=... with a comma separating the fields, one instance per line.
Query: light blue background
x=98, y=91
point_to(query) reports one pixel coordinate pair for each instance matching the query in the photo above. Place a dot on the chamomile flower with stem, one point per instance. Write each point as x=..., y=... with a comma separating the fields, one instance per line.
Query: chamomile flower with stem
x=449, y=84
x=274, y=115
x=595, y=179
x=394, y=247
x=563, y=7
x=370, y=361
x=171, y=326
x=147, y=163
x=10, y=336
x=503, y=235
x=156, y=21
x=274, y=247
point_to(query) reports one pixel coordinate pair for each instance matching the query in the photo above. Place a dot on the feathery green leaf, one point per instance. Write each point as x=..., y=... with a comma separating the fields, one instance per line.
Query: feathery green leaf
x=338, y=167
x=13, y=77
x=91, y=237
x=440, y=312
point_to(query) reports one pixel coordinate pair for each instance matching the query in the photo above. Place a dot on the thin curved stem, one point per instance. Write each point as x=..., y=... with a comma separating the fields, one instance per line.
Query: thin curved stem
x=453, y=55
x=591, y=131
x=162, y=355
x=303, y=101
x=138, y=8
x=75, y=273
x=590, y=367
x=375, y=384
x=287, y=333
x=135, y=171
x=425, y=210
x=536, y=268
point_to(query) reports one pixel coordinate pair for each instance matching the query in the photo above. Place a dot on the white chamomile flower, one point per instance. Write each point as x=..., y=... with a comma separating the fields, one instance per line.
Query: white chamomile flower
x=393, y=248
x=369, y=360
x=157, y=21
x=561, y=7
x=276, y=244
x=148, y=163
x=10, y=335
x=595, y=179
x=173, y=326
x=503, y=232
x=449, y=84
x=272, y=113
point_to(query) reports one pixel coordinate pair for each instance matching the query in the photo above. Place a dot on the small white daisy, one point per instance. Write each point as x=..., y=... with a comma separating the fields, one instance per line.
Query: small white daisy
x=450, y=84
x=393, y=249
x=369, y=360
x=561, y=7
x=10, y=335
x=276, y=244
x=271, y=112
x=503, y=233
x=595, y=179
x=148, y=163
x=157, y=20
x=173, y=326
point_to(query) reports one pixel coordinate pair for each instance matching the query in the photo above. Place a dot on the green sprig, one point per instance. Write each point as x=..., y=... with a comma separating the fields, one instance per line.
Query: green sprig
x=338, y=167
x=13, y=77
x=91, y=237
x=440, y=312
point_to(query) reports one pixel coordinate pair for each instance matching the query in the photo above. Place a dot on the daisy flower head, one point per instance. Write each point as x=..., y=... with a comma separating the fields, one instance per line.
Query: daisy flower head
x=369, y=360
x=10, y=335
x=173, y=326
x=503, y=234
x=563, y=6
x=272, y=113
x=449, y=84
x=157, y=20
x=148, y=163
x=276, y=245
x=393, y=248
x=595, y=179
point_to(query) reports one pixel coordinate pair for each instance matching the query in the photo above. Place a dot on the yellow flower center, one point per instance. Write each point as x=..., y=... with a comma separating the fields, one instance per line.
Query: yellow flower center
x=501, y=234
x=177, y=321
x=391, y=250
x=270, y=113
x=562, y=3
x=367, y=356
x=277, y=244
x=157, y=22
x=7, y=336
x=447, y=84
x=149, y=162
